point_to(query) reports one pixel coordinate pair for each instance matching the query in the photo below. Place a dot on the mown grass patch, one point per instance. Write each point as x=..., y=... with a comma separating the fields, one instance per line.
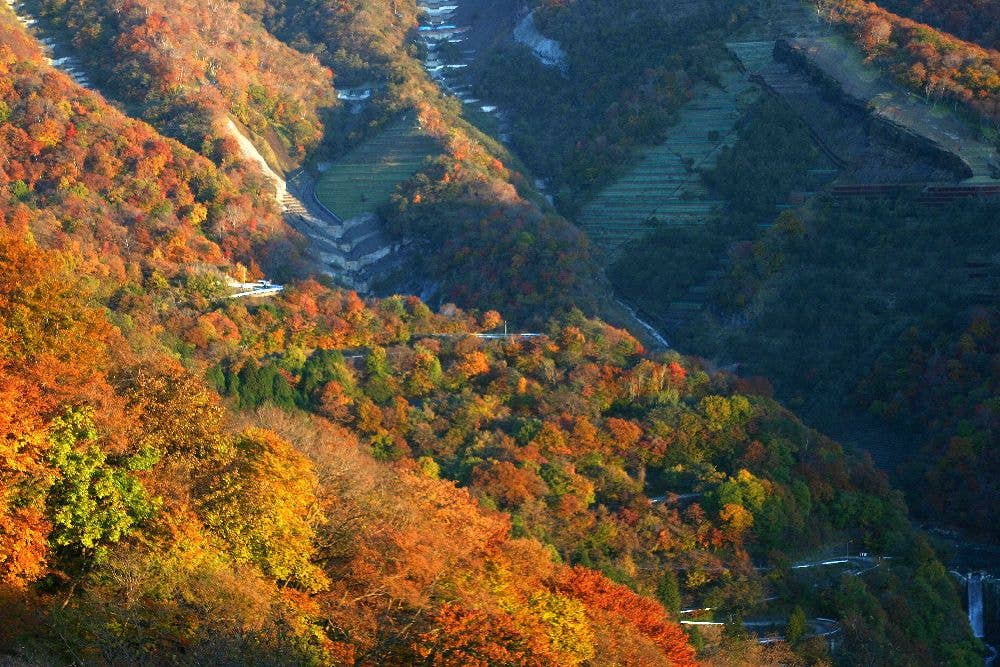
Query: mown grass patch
x=364, y=179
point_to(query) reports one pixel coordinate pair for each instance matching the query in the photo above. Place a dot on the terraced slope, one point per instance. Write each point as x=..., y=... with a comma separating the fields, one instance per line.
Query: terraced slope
x=665, y=187
x=840, y=61
x=362, y=180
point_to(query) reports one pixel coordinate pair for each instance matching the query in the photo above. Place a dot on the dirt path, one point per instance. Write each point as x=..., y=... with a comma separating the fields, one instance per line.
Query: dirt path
x=251, y=153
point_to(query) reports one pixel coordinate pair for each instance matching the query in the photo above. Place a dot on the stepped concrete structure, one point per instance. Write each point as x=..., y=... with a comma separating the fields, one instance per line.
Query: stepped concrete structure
x=878, y=141
x=356, y=251
x=836, y=64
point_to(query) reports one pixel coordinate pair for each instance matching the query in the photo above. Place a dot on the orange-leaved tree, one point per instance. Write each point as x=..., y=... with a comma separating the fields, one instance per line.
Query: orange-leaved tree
x=603, y=597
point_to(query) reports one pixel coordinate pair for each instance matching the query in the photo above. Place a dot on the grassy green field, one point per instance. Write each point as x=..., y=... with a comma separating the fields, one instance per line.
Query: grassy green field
x=363, y=179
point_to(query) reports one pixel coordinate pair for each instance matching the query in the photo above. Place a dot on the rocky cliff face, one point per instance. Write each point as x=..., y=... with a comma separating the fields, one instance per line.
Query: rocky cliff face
x=548, y=51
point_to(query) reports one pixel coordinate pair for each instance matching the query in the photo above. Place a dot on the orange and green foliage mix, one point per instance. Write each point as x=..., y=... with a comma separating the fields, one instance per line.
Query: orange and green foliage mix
x=316, y=479
x=938, y=65
x=130, y=487
x=572, y=433
x=186, y=64
x=85, y=176
x=142, y=518
x=139, y=518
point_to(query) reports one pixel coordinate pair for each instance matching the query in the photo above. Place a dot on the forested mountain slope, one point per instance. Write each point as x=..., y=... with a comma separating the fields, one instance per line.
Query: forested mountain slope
x=120, y=542
x=83, y=174
x=870, y=313
x=312, y=478
x=977, y=21
x=861, y=309
x=484, y=237
x=630, y=65
x=183, y=66
x=839, y=303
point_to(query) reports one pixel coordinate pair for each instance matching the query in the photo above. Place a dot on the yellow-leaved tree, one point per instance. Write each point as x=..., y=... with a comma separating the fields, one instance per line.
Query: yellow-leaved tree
x=262, y=503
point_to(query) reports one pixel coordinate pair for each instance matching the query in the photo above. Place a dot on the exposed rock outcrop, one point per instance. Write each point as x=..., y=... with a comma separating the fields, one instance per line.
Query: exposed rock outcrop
x=548, y=51
x=251, y=153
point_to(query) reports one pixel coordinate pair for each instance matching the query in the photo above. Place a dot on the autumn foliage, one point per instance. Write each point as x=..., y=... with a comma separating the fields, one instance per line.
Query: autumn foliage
x=938, y=65
x=52, y=350
x=976, y=22
x=189, y=64
x=84, y=176
x=623, y=606
x=319, y=479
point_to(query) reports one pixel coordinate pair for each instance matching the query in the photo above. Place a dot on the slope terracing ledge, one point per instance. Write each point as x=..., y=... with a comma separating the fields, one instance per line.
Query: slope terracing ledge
x=910, y=120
